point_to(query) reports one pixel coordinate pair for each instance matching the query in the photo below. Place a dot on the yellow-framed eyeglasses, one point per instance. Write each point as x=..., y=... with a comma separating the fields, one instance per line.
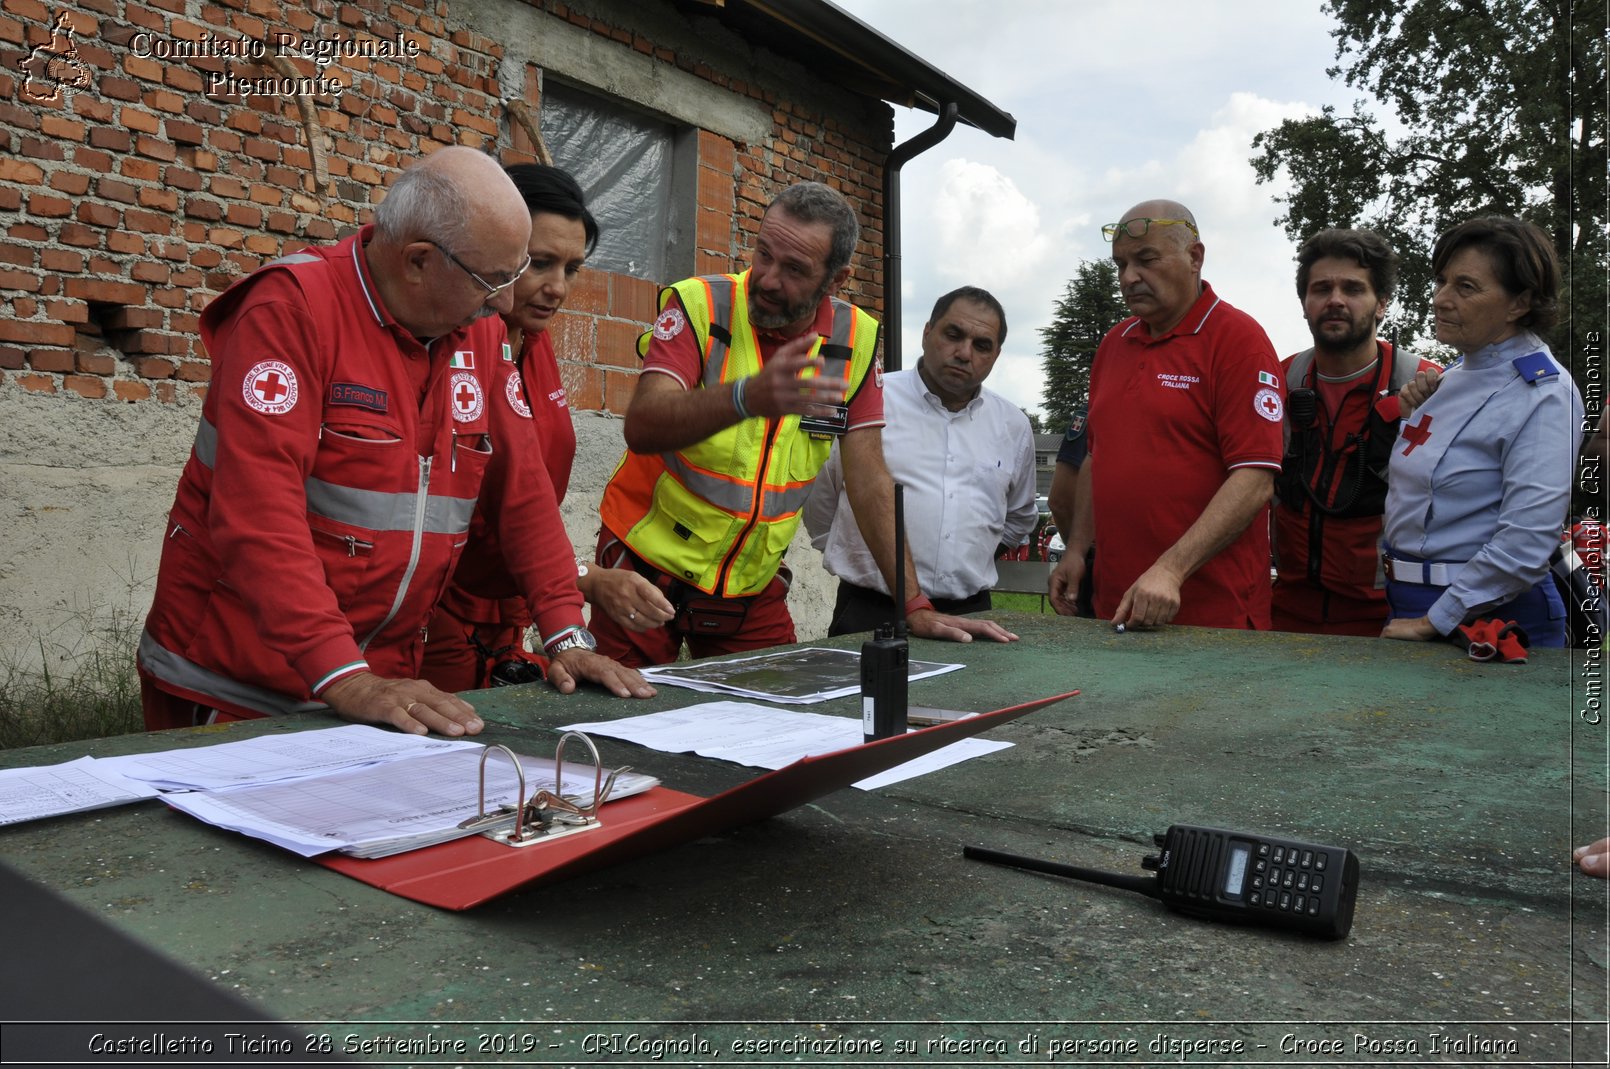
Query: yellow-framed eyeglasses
x=1137, y=227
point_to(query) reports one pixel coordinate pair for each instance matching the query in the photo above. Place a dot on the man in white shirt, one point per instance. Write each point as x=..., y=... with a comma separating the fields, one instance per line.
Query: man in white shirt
x=965, y=456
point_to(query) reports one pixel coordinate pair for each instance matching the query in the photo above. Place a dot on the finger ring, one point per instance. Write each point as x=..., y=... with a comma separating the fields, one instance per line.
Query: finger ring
x=631, y=616
x=409, y=709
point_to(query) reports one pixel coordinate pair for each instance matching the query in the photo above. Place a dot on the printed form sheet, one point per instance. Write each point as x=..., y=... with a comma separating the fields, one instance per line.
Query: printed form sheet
x=72, y=787
x=764, y=737
x=273, y=758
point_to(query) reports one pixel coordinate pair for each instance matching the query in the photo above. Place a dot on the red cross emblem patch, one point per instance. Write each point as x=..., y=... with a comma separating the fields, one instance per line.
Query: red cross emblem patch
x=1266, y=403
x=670, y=324
x=270, y=387
x=1416, y=435
x=514, y=390
x=465, y=391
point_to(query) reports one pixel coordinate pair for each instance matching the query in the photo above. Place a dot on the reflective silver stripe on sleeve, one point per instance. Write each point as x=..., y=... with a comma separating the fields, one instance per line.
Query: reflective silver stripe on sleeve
x=372, y=509
x=206, y=442
x=169, y=667
x=291, y=260
x=380, y=511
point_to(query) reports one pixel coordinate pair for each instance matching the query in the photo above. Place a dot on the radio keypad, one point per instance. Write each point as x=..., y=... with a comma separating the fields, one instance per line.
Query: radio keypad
x=1290, y=881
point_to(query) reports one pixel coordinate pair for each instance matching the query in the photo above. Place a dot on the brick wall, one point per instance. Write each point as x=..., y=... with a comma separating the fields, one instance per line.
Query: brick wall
x=130, y=195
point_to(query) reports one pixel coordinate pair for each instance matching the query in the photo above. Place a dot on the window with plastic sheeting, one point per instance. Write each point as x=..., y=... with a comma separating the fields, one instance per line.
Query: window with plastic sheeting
x=626, y=162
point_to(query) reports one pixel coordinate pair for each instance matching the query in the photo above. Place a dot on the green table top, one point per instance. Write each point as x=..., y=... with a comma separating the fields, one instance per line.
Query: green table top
x=855, y=921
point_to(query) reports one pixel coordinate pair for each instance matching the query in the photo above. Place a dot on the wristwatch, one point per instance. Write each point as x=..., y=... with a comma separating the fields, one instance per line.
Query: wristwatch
x=575, y=638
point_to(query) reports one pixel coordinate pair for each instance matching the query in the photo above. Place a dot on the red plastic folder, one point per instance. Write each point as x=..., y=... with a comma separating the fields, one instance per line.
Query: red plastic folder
x=467, y=872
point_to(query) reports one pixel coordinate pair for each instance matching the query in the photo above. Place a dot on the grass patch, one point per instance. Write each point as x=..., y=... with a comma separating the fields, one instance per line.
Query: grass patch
x=1021, y=602
x=98, y=696
x=84, y=691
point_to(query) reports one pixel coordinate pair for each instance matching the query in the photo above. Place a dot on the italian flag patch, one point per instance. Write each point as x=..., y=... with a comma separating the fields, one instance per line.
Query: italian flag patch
x=1266, y=379
x=463, y=360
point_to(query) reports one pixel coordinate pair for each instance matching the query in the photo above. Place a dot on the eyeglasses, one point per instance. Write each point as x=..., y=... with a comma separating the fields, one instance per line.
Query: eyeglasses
x=1128, y=226
x=491, y=290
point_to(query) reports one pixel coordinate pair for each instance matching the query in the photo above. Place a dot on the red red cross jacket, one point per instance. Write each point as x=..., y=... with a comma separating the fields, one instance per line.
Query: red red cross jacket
x=330, y=489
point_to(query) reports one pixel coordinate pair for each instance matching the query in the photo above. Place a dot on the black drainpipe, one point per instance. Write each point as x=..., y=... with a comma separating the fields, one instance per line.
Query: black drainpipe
x=891, y=227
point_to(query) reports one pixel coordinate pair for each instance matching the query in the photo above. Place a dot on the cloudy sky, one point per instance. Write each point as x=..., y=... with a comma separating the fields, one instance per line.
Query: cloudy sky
x=1116, y=101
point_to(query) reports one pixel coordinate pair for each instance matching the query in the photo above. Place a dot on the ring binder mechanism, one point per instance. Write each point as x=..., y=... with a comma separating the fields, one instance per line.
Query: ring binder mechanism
x=469, y=870
x=546, y=814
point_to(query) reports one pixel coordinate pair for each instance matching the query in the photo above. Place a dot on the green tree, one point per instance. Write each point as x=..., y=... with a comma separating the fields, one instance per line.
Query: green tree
x=1090, y=304
x=1501, y=104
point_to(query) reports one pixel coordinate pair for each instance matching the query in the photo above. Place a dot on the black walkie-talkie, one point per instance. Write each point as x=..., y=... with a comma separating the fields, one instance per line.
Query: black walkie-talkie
x=886, y=655
x=1232, y=876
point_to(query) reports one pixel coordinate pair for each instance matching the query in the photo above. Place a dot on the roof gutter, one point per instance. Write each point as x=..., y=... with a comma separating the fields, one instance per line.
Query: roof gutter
x=891, y=226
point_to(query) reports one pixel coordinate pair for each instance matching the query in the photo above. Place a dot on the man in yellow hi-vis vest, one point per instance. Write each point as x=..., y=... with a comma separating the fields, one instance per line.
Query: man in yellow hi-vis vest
x=734, y=414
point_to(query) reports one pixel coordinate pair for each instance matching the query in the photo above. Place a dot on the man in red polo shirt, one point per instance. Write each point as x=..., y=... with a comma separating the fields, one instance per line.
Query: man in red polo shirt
x=1185, y=415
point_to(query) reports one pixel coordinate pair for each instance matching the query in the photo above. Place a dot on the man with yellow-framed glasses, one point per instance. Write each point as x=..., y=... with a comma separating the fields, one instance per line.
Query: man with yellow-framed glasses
x=1186, y=409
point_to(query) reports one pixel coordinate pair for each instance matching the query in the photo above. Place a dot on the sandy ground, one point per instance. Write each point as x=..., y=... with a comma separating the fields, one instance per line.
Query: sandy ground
x=85, y=487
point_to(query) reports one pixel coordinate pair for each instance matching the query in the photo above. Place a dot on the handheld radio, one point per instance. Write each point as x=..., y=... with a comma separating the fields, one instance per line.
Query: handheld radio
x=1232, y=876
x=886, y=655
x=836, y=363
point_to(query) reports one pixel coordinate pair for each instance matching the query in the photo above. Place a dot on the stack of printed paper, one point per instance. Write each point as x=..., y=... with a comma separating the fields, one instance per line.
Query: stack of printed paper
x=381, y=809
x=358, y=789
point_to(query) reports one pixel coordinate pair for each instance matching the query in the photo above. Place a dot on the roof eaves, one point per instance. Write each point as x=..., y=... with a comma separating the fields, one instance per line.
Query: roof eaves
x=905, y=78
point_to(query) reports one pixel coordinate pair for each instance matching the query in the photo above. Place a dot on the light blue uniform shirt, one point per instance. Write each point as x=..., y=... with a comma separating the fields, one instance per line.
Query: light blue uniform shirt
x=1481, y=473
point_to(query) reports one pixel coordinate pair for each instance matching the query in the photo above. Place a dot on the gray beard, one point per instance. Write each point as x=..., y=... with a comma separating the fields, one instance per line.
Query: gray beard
x=788, y=316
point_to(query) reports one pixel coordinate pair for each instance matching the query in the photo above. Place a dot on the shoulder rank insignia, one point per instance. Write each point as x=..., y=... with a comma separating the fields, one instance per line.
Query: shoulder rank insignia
x=1535, y=367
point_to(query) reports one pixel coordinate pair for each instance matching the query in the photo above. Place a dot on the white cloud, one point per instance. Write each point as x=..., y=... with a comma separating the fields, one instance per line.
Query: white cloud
x=1115, y=103
x=1215, y=163
x=1249, y=259
x=984, y=227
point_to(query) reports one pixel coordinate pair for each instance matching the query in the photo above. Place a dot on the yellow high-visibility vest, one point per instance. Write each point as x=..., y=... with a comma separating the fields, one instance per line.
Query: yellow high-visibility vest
x=719, y=513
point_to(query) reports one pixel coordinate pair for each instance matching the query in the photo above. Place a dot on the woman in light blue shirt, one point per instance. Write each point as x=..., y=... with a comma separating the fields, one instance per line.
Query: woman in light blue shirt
x=1480, y=479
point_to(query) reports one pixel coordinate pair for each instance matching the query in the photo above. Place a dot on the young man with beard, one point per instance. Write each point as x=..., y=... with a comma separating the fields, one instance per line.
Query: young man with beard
x=1342, y=418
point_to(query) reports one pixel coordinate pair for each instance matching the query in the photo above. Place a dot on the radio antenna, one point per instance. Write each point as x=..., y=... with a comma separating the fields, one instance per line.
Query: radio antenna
x=1143, y=884
x=899, y=561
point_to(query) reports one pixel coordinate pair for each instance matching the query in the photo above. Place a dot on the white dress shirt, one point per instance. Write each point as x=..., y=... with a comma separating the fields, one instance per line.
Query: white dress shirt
x=969, y=486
